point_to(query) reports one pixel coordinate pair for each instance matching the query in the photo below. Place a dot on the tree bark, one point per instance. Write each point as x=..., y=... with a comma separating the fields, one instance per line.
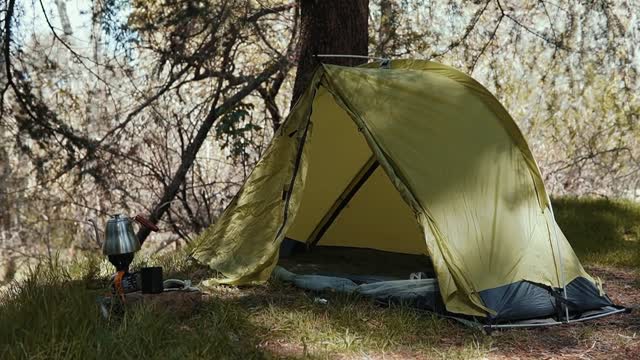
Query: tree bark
x=5, y=177
x=337, y=27
x=387, y=29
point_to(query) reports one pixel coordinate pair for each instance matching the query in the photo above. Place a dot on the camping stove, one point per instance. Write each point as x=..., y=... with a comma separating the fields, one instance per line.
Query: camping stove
x=120, y=245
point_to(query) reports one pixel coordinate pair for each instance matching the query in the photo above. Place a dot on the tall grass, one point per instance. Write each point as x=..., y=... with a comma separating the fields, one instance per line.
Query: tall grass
x=601, y=231
x=52, y=316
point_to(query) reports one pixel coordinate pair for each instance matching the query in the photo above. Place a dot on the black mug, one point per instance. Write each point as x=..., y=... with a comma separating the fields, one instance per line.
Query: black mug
x=151, y=280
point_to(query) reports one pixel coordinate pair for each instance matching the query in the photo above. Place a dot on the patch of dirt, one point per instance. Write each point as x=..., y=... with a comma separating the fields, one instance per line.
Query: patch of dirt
x=181, y=304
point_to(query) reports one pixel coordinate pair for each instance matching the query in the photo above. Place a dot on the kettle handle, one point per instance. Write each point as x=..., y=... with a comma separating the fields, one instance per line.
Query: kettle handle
x=146, y=223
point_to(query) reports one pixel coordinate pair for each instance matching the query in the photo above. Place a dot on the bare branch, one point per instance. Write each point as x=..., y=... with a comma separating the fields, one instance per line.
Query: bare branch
x=472, y=24
x=543, y=37
x=267, y=11
x=78, y=57
x=193, y=148
x=484, y=48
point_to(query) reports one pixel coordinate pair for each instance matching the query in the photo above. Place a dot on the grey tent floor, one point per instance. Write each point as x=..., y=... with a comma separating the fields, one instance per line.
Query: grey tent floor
x=356, y=264
x=357, y=261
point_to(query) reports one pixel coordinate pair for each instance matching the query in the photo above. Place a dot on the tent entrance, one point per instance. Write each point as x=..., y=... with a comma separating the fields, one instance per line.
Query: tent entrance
x=348, y=200
x=343, y=200
x=358, y=264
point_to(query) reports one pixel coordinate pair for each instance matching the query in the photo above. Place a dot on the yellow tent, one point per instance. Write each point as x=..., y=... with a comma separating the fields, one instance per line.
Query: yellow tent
x=413, y=158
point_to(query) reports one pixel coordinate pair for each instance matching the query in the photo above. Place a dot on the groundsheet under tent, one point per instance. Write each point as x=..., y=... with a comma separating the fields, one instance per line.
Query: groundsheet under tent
x=392, y=278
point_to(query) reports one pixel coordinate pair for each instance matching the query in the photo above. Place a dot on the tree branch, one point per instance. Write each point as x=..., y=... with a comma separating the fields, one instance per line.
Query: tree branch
x=269, y=10
x=553, y=42
x=472, y=24
x=192, y=149
x=484, y=48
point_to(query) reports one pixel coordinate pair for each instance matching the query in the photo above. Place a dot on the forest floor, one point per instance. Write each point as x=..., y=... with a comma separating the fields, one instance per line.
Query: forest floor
x=293, y=325
x=53, y=314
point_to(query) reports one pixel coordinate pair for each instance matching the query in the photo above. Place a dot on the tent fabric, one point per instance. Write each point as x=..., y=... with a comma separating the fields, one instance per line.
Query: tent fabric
x=525, y=300
x=415, y=158
x=243, y=244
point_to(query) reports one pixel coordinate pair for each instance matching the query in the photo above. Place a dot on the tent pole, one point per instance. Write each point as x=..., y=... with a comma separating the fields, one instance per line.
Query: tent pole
x=352, y=56
x=561, y=263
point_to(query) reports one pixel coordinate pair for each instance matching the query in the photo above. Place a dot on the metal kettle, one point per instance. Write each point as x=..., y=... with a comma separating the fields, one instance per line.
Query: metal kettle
x=120, y=242
x=119, y=237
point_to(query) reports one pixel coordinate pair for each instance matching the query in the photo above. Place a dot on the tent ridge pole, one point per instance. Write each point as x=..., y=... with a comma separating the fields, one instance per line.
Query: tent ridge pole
x=560, y=261
x=353, y=56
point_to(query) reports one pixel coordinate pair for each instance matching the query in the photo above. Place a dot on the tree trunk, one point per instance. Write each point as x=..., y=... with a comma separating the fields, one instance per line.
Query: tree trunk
x=5, y=189
x=64, y=18
x=337, y=27
x=387, y=29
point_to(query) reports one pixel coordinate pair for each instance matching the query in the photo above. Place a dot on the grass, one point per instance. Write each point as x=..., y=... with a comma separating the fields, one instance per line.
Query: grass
x=54, y=315
x=601, y=231
x=348, y=325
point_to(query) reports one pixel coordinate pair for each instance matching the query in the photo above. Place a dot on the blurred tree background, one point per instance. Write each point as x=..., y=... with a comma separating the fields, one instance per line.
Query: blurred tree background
x=163, y=106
